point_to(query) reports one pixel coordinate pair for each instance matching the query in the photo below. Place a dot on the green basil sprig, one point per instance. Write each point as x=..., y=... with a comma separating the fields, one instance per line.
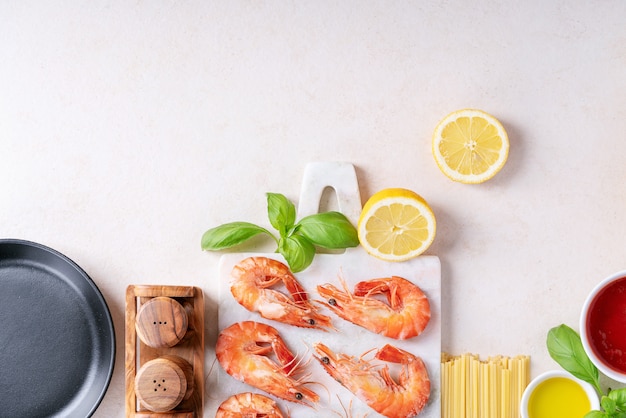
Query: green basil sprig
x=296, y=241
x=613, y=405
x=565, y=347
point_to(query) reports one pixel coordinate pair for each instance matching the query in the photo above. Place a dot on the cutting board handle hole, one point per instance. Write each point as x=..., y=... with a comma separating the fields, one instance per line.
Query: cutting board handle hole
x=330, y=186
x=329, y=201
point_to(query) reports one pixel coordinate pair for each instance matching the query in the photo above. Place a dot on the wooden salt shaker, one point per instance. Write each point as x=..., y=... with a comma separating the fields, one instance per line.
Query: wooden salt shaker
x=161, y=322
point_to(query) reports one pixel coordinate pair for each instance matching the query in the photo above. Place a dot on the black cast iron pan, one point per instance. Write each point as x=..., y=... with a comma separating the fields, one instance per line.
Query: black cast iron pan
x=57, y=342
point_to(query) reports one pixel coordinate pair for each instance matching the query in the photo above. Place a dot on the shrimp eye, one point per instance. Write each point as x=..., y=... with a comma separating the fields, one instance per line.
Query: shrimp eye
x=332, y=302
x=325, y=360
x=299, y=396
x=311, y=321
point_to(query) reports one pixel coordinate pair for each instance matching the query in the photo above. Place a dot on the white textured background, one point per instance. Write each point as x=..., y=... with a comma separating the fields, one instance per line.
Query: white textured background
x=128, y=128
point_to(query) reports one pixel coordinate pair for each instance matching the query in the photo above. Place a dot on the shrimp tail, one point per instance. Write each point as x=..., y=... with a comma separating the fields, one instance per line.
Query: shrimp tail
x=413, y=374
x=392, y=354
x=284, y=355
x=298, y=293
x=380, y=287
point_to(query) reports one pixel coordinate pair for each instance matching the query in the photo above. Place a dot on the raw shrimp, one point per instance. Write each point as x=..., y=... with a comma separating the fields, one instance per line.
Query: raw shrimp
x=404, y=316
x=253, y=279
x=374, y=385
x=248, y=405
x=243, y=350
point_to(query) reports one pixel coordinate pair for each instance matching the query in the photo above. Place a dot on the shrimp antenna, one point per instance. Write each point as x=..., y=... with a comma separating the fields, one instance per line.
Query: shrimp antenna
x=372, y=291
x=292, y=366
x=301, y=293
x=366, y=353
x=347, y=412
x=345, y=287
x=312, y=382
x=368, y=365
x=206, y=379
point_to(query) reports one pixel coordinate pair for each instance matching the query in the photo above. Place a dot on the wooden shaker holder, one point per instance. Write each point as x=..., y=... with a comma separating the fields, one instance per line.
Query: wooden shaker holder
x=164, y=351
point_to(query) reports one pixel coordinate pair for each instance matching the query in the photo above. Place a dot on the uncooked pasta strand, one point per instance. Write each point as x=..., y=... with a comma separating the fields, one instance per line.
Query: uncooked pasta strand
x=472, y=388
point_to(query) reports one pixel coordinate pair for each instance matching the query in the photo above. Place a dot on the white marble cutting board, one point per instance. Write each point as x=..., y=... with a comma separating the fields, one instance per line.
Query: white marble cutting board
x=353, y=265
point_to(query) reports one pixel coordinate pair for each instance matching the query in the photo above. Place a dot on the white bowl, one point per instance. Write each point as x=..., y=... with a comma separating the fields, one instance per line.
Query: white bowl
x=589, y=390
x=596, y=358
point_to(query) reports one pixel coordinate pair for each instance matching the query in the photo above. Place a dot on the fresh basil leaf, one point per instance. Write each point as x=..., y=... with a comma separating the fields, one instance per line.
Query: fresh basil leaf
x=596, y=414
x=608, y=405
x=619, y=396
x=298, y=252
x=566, y=349
x=229, y=235
x=330, y=230
x=281, y=212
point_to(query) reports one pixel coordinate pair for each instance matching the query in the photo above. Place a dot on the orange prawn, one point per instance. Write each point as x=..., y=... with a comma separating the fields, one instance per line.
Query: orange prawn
x=253, y=279
x=243, y=351
x=405, y=315
x=249, y=405
x=374, y=385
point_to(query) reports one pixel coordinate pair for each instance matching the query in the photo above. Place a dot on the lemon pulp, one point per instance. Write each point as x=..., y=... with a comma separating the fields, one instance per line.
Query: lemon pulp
x=470, y=146
x=396, y=224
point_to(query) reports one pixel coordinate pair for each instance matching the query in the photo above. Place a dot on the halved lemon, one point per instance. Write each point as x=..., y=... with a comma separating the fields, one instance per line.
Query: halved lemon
x=396, y=224
x=470, y=146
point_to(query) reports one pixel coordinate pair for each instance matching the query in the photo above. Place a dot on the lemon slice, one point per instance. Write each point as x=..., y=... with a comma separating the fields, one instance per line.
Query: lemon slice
x=396, y=225
x=470, y=146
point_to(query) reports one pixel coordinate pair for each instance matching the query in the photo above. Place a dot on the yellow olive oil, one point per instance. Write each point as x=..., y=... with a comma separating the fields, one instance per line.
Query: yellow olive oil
x=558, y=397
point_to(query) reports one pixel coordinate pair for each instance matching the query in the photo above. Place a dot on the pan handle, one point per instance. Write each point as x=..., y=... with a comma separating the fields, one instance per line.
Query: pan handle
x=341, y=177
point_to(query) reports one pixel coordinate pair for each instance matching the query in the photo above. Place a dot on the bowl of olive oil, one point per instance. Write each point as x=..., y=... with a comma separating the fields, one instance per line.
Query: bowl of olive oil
x=558, y=394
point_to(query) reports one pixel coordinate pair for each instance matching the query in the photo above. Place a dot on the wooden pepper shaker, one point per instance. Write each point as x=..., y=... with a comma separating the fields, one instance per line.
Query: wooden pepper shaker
x=163, y=383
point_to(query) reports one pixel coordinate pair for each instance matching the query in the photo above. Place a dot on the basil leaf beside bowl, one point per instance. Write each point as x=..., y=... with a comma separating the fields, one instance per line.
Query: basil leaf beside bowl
x=566, y=348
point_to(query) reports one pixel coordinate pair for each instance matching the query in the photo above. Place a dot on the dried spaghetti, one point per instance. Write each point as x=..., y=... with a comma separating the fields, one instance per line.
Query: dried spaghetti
x=474, y=388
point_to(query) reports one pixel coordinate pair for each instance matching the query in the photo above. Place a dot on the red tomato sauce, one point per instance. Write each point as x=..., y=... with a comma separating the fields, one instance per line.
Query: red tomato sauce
x=606, y=326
